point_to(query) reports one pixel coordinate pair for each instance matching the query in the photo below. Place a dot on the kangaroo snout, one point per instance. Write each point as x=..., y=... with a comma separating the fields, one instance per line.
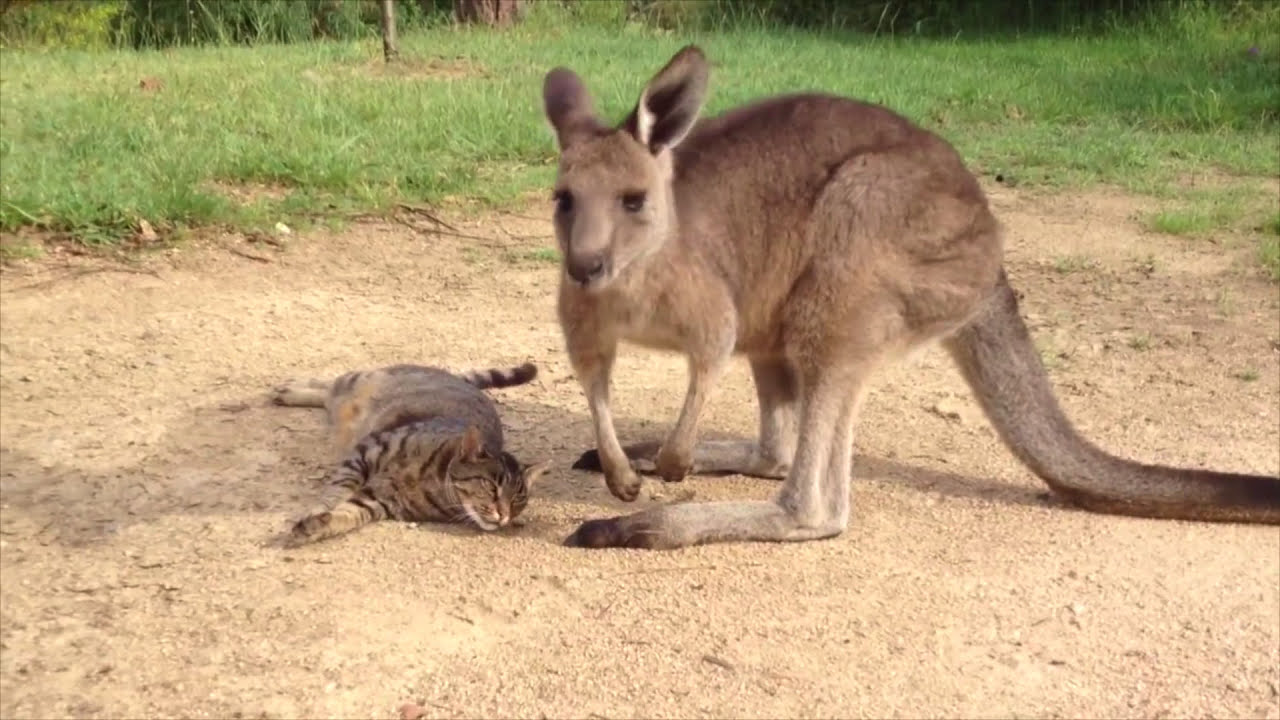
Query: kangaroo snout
x=586, y=269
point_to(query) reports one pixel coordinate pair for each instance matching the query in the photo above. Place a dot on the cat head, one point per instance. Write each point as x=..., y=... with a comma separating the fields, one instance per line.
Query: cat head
x=491, y=491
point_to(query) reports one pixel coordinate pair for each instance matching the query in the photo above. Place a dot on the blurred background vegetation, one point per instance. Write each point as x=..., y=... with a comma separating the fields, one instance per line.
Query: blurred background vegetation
x=115, y=111
x=88, y=24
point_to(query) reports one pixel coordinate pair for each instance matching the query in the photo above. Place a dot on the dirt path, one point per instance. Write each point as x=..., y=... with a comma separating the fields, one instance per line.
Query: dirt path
x=142, y=472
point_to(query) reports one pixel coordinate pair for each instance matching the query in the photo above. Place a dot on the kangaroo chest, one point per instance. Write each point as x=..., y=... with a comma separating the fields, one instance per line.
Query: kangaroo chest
x=648, y=324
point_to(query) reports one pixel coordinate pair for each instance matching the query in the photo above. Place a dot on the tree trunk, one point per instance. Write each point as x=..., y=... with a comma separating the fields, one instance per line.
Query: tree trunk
x=495, y=13
x=390, y=50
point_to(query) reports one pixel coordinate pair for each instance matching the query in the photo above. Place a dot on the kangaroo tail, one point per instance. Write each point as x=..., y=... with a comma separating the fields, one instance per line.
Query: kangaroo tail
x=500, y=377
x=997, y=358
x=350, y=514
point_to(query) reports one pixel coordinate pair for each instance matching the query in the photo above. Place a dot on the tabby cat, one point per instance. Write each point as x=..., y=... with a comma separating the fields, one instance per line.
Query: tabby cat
x=417, y=444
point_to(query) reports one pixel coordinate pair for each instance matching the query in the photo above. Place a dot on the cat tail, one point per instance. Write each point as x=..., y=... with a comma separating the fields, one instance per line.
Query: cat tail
x=500, y=377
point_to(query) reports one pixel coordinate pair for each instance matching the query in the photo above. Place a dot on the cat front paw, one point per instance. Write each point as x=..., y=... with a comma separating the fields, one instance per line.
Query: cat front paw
x=286, y=393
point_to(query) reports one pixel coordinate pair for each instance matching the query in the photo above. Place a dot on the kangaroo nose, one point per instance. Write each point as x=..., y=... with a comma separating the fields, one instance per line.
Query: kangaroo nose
x=584, y=270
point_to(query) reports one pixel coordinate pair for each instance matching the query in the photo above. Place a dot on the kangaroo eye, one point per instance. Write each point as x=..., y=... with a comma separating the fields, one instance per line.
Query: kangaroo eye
x=633, y=201
x=564, y=201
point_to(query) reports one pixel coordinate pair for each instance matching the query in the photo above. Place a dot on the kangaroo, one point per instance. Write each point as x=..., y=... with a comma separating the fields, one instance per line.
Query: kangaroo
x=822, y=237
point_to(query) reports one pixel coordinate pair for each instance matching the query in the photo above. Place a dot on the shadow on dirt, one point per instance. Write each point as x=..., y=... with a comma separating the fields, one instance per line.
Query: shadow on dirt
x=252, y=458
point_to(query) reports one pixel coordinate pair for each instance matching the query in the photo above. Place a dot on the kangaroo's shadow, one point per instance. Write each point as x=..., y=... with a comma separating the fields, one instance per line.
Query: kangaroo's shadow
x=571, y=434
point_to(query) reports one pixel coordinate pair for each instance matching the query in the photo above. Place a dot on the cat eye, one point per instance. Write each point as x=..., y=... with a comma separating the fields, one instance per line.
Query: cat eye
x=564, y=201
x=633, y=201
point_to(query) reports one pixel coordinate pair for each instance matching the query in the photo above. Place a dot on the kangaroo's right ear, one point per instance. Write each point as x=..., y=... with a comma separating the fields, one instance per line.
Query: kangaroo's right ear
x=671, y=101
x=568, y=106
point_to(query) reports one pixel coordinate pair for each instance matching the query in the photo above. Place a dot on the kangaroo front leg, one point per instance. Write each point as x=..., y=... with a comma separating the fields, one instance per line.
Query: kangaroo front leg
x=812, y=504
x=769, y=456
x=594, y=369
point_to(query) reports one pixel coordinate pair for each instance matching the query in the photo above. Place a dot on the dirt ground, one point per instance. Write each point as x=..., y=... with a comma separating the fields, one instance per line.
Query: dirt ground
x=142, y=472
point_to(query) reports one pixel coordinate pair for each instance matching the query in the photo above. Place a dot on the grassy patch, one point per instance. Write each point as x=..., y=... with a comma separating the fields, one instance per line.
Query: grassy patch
x=15, y=248
x=1068, y=264
x=540, y=256
x=1197, y=213
x=1180, y=222
x=91, y=143
x=1272, y=224
x=1269, y=255
x=1139, y=342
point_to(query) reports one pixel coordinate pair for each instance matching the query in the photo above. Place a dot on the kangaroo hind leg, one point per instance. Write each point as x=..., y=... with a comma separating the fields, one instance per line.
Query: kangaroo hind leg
x=812, y=504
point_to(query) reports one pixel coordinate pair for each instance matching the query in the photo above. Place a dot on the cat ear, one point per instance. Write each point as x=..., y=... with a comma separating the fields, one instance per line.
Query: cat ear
x=531, y=473
x=471, y=444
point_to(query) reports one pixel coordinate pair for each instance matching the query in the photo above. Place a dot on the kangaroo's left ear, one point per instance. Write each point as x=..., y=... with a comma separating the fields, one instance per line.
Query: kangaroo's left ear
x=670, y=103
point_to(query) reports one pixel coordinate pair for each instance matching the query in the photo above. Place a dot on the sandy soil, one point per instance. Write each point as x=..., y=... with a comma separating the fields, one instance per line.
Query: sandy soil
x=142, y=473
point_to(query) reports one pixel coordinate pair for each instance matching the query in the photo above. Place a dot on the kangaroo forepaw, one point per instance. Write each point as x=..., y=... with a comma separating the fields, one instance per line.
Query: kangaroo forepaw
x=624, y=485
x=673, y=466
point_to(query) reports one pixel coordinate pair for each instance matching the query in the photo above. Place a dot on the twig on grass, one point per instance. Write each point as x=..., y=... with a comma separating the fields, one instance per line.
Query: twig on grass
x=426, y=213
x=251, y=256
x=83, y=272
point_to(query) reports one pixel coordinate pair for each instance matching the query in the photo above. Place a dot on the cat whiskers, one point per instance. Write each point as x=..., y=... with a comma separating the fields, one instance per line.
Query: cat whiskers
x=479, y=521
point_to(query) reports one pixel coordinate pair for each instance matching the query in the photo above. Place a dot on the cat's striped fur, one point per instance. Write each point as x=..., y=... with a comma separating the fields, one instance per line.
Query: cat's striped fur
x=416, y=443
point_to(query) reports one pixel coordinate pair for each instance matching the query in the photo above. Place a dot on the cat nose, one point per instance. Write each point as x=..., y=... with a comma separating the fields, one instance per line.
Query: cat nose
x=503, y=520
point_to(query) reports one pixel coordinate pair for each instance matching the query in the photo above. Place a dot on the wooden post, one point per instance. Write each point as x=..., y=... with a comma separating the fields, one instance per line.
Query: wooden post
x=389, y=49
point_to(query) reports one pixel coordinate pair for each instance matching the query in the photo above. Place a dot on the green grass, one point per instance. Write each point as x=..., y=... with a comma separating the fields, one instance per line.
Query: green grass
x=537, y=256
x=1200, y=211
x=1269, y=254
x=1180, y=222
x=323, y=128
x=1139, y=342
x=1068, y=264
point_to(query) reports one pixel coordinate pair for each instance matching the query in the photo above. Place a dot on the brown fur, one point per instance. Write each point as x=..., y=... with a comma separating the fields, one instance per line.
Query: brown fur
x=823, y=238
x=417, y=444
